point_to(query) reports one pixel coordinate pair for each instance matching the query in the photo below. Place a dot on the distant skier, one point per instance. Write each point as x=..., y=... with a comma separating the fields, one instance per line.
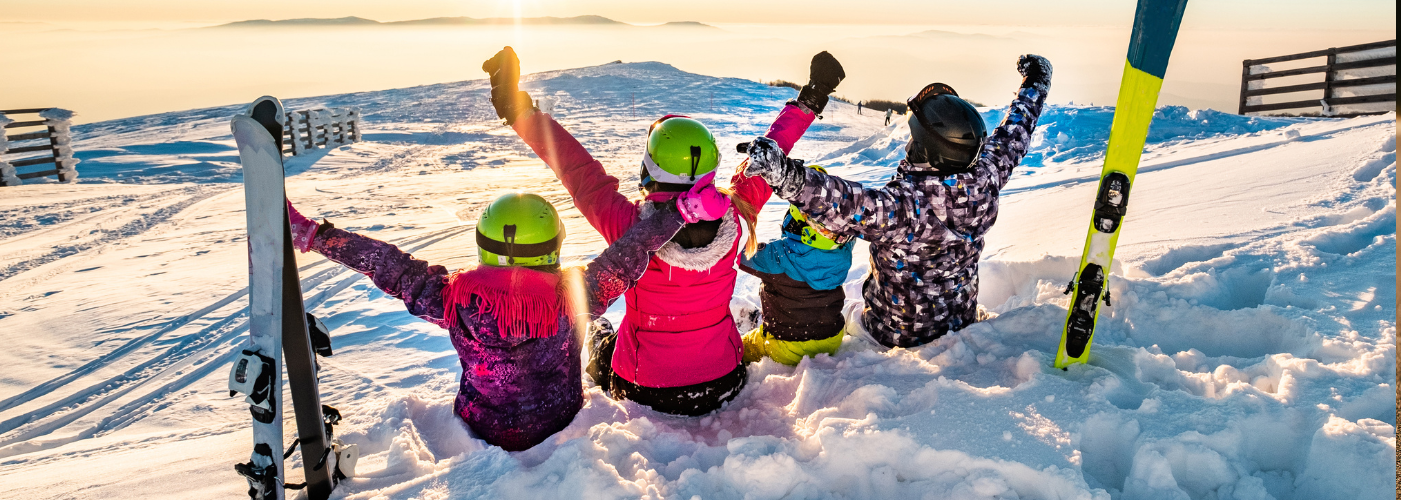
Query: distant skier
x=802, y=296
x=858, y=107
x=887, y=116
x=509, y=317
x=926, y=226
x=678, y=349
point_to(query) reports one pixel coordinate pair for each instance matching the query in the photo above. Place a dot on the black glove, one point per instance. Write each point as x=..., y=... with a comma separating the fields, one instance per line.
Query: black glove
x=505, y=71
x=1035, y=70
x=767, y=160
x=824, y=75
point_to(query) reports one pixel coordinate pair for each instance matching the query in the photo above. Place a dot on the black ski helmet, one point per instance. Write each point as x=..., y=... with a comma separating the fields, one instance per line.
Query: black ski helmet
x=946, y=131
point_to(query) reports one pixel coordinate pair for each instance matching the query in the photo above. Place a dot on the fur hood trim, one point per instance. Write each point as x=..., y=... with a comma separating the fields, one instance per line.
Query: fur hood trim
x=700, y=258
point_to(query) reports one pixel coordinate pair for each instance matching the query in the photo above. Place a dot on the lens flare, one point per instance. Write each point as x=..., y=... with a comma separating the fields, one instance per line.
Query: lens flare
x=578, y=301
x=516, y=16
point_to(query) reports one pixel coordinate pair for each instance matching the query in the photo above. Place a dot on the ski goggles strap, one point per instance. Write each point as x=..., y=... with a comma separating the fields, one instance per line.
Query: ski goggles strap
x=931, y=90
x=795, y=227
x=517, y=250
x=663, y=196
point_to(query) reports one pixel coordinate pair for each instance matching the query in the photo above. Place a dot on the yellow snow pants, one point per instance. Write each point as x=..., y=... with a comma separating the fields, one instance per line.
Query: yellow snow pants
x=757, y=345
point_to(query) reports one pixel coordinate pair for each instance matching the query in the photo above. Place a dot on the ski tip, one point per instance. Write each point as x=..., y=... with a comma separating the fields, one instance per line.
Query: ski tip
x=264, y=101
x=268, y=112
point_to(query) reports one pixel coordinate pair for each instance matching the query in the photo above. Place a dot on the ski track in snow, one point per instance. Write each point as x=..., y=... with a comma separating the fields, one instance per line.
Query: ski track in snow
x=223, y=336
x=141, y=224
x=1249, y=352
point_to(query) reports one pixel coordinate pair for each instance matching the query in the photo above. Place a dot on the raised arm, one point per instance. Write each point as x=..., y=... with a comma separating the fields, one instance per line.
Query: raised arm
x=620, y=265
x=1008, y=143
x=790, y=125
x=824, y=74
x=595, y=192
x=397, y=273
x=847, y=207
x=400, y=275
x=843, y=206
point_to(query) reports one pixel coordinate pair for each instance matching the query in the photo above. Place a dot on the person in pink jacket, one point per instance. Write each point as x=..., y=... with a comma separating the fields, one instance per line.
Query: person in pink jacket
x=678, y=350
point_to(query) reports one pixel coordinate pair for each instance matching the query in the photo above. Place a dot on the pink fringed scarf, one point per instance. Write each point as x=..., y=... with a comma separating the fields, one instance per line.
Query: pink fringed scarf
x=525, y=302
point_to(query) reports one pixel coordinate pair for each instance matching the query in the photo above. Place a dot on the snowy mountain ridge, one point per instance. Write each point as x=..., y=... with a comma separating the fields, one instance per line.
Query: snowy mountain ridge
x=1249, y=352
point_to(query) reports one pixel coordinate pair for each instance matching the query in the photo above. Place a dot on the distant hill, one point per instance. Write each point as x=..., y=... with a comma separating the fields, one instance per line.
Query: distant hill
x=263, y=23
x=450, y=21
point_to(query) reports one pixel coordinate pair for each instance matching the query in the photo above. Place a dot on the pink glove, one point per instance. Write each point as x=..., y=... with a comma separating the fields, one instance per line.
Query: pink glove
x=703, y=201
x=303, y=229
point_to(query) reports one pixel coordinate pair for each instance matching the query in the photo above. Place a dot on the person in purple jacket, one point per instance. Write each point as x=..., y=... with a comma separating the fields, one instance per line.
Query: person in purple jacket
x=511, y=319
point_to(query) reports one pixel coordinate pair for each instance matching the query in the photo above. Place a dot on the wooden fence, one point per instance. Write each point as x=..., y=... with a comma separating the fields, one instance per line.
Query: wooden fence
x=48, y=135
x=320, y=128
x=1354, y=70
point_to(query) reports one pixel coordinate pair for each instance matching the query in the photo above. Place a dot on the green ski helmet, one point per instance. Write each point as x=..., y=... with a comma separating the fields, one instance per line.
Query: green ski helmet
x=811, y=233
x=519, y=229
x=680, y=151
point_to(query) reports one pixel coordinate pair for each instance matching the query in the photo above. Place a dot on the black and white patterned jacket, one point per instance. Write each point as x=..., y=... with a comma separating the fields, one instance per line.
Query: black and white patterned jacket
x=926, y=230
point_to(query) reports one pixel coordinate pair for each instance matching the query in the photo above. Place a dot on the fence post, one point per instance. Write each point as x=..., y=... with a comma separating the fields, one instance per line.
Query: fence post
x=287, y=135
x=1328, y=78
x=332, y=131
x=355, y=124
x=60, y=141
x=8, y=176
x=340, y=128
x=294, y=135
x=321, y=124
x=1244, y=84
x=58, y=157
x=309, y=133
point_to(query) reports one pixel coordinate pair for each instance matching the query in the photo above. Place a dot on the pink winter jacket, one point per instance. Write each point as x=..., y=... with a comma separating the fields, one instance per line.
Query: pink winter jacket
x=677, y=330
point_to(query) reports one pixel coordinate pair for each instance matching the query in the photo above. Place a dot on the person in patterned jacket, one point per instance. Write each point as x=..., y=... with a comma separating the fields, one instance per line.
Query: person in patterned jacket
x=926, y=226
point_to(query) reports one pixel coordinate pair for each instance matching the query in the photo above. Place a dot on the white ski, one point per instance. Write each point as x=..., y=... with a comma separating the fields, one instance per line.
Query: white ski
x=257, y=372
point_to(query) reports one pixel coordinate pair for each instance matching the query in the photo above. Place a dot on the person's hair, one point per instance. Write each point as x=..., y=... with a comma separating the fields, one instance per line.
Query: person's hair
x=749, y=214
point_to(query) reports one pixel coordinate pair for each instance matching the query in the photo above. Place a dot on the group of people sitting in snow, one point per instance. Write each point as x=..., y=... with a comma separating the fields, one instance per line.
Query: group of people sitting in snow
x=517, y=320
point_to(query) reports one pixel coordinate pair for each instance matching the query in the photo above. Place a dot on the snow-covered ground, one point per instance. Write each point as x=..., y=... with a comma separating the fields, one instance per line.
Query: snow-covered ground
x=1249, y=352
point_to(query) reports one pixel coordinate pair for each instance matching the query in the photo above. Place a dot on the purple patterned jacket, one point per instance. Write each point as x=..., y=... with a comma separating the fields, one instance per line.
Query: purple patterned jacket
x=514, y=393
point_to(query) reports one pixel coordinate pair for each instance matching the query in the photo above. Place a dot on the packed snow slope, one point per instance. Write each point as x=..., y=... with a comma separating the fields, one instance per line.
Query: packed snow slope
x=1249, y=352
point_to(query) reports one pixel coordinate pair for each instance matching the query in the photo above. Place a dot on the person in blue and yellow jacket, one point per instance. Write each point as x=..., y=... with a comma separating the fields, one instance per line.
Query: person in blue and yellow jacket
x=802, y=297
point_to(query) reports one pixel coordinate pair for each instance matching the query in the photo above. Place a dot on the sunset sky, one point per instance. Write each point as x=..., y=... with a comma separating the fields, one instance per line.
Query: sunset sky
x=124, y=58
x=1248, y=14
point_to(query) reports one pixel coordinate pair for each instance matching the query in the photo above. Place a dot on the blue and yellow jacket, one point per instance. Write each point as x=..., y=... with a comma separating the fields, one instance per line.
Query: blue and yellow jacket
x=802, y=292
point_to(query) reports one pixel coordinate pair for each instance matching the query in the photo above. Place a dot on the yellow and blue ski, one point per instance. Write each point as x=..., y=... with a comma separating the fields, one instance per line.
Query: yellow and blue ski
x=1155, y=26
